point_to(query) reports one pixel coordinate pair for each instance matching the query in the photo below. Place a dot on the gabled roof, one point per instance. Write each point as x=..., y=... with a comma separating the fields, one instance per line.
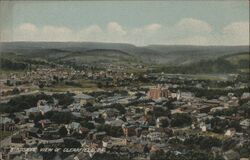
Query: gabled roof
x=4, y=120
x=34, y=130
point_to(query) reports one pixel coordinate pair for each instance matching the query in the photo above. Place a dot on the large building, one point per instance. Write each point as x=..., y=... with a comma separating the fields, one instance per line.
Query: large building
x=158, y=92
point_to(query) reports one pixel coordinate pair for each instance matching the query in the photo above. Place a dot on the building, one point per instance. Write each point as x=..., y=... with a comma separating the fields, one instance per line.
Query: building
x=162, y=122
x=84, y=99
x=245, y=95
x=129, y=130
x=230, y=132
x=245, y=124
x=99, y=135
x=34, y=132
x=17, y=139
x=7, y=124
x=159, y=92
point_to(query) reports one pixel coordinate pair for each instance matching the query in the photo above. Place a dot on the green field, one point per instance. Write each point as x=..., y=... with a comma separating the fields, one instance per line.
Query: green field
x=4, y=134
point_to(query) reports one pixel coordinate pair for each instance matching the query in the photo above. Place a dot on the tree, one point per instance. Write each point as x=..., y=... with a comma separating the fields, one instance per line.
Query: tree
x=41, y=85
x=63, y=131
x=87, y=124
x=229, y=144
x=111, y=130
x=99, y=85
x=15, y=91
x=119, y=107
x=181, y=120
x=159, y=111
x=62, y=117
x=218, y=125
x=72, y=143
x=165, y=123
x=236, y=125
x=64, y=99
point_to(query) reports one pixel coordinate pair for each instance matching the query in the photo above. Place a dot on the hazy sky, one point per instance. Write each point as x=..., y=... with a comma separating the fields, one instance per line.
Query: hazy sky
x=139, y=22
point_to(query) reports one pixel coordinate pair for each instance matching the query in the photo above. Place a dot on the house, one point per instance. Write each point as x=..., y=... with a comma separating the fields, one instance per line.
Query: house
x=99, y=135
x=17, y=139
x=230, y=132
x=75, y=107
x=34, y=156
x=129, y=130
x=7, y=124
x=212, y=102
x=95, y=114
x=158, y=92
x=84, y=99
x=44, y=109
x=15, y=155
x=231, y=155
x=32, y=111
x=205, y=127
x=110, y=113
x=201, y=117
x=108, y=142
x=77, y=115
x=73, y=126
x=51, y=133
x=156, y=136
x=223, y=98
x=217, y=109
x=185, y=95
x=245, y=124
x=245, y=95
x=45, y=122
x=21, y=118
x=162, y=122
x=115, y=123
x=204, y=109
x=81, y=155
x=34, y=132
x=84, y=131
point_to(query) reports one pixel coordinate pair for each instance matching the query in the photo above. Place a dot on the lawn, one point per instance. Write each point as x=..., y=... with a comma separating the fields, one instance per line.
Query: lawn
x=4, y=134
x=208, y=134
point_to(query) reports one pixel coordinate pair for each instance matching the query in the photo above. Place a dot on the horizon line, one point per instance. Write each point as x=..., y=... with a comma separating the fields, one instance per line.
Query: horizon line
x=124, y=43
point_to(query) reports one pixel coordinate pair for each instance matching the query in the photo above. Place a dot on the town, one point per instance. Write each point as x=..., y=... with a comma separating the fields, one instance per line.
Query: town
x=114, y=113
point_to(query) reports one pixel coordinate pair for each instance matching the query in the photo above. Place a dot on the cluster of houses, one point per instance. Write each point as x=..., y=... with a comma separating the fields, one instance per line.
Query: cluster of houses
x=132, y=127
x=136, y=119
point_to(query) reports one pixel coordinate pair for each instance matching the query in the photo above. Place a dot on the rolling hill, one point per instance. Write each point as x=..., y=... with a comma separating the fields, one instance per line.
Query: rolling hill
x=79, y=53
x=233, y=63
x=163, y=54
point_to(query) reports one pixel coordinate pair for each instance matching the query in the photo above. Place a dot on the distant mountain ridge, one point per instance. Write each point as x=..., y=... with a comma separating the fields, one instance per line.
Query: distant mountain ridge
x=159, y=54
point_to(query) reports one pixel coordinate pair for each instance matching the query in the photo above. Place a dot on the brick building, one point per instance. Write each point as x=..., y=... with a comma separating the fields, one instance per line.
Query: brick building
x=158, y=92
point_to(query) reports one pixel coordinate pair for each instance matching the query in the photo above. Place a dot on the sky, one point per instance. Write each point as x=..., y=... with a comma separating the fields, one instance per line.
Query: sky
x=137, y=22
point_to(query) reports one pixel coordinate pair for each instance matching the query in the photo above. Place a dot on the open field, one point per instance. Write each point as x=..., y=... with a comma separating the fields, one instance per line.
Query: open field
x=4, y=134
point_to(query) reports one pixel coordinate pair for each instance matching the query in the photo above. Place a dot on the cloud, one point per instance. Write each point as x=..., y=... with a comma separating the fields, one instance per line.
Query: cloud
x=53, y=33
x=93, y=29
x=115, y=28
x=90, y=33
x=28, y=27
x=153, y=27
x=186, y=31
x=26, y=32
x=236, y=33
x=193, y=25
